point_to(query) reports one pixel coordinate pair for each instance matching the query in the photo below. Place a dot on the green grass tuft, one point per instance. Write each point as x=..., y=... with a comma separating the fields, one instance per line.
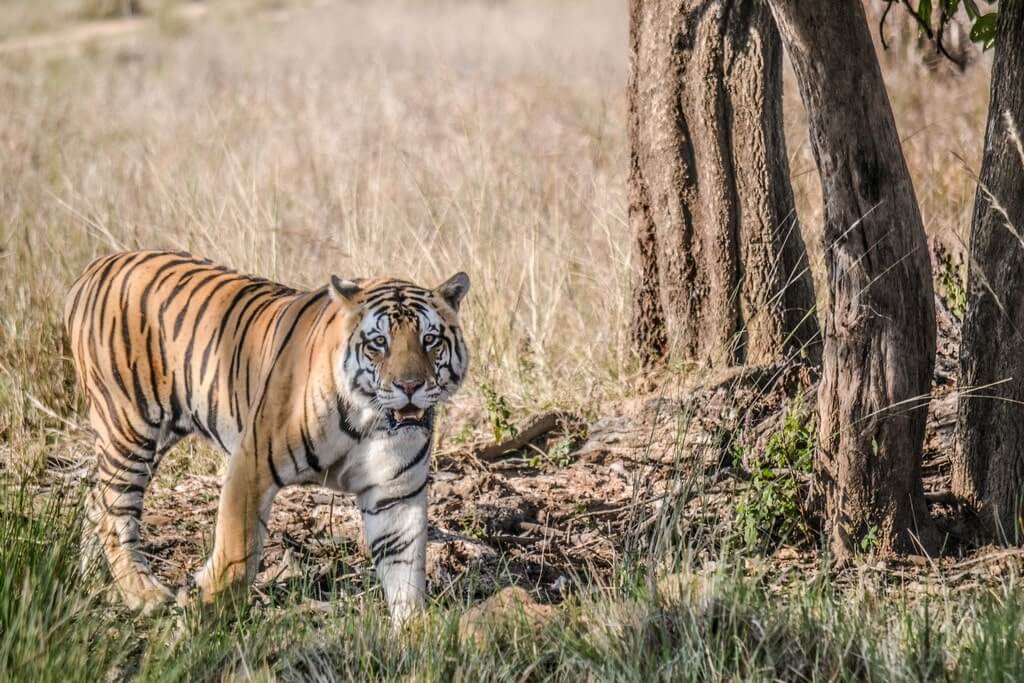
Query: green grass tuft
x=771, y=511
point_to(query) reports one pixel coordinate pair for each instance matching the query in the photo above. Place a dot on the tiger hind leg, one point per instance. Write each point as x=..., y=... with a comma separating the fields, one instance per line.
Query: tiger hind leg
x=114, y=510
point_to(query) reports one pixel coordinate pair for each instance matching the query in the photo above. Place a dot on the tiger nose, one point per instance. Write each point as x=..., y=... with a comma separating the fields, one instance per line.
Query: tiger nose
x=409, y=386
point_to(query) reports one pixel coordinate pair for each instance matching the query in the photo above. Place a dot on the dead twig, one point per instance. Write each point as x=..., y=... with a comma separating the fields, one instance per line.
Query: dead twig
x=540, y=425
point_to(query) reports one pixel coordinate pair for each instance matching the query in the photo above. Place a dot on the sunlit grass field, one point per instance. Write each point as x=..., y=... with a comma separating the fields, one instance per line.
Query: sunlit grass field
x=299, y=140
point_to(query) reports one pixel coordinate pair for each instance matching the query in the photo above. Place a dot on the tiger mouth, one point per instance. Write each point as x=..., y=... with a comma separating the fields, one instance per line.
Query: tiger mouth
x=409, y=416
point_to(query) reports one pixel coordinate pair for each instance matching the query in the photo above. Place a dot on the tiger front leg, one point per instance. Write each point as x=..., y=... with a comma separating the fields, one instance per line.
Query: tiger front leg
x=396, y=532
x=242, y=518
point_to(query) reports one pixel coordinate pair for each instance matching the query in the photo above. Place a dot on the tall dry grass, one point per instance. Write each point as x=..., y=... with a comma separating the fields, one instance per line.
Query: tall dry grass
x=356, y=139
x=414, y=139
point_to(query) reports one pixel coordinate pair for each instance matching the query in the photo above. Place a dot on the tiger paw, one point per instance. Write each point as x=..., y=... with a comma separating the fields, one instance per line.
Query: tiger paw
x=149, y=597
x=188, y=595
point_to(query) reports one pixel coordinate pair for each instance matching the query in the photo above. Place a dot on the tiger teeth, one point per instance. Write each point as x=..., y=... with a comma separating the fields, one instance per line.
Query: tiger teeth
x=408, y=413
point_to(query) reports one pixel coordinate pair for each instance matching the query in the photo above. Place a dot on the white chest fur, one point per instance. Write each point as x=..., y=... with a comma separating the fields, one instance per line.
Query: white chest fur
x=385, y=461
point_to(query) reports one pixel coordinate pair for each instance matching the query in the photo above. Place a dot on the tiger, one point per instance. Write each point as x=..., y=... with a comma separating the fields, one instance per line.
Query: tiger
x=337, y=386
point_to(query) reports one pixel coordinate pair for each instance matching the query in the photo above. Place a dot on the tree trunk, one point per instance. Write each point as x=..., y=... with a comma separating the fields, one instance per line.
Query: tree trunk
x=879, y=346
x=720, y=272
x=988, y=467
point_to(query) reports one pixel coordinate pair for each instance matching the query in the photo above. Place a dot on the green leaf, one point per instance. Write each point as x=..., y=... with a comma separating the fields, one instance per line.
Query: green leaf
x=972, y=9
x=949, y=7
x=984, y=30
x=924, y=11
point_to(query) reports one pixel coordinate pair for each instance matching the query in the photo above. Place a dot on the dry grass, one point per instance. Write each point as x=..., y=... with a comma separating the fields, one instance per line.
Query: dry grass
x=20, y=17
x=406, y=138
x=351, y=139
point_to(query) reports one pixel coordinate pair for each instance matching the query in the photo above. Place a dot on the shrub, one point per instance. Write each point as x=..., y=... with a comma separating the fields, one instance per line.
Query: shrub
x=770, y=512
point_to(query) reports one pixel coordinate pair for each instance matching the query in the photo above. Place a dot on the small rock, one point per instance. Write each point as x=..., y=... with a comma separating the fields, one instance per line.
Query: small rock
x=787, y=553
x=325, y=498
x=451, y=555
x=501, y=612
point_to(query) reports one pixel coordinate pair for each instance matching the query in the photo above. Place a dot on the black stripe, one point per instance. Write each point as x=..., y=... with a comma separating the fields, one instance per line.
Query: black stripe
x=106, y=283
x=273, y=470
x=112, y=418
x=156, y=280
x=388, y=503
x=212, y=424
x=391, y=550
x=151, y=361
x=229, y=278
x=226, y=314
x=122, y=488
x=284, y=344
x=179, y=320
x=176, y=407
x=115, y=368
x=83, y=284
x=235, y=368
x=178, y=290
x=121, y=510
x=343, y=422
x=455, y=349
x=391, y=544
x=376, y=546
x=415, y=461
x=146, y=258
x=200, y=427
x=106, y=461
x=307, y=442
x=161, y=344
x=194, y=329
x=140, y=397
x=311, y=457
x=295, y=463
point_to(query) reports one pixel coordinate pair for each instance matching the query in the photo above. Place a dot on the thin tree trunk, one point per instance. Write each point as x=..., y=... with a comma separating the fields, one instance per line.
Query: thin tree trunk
x=988, y=467
x=721, y=273
x=879, y=346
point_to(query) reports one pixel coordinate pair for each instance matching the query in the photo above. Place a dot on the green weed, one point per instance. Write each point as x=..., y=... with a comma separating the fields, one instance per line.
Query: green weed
x=770, y=512
x=498, y=413
x=951, y=282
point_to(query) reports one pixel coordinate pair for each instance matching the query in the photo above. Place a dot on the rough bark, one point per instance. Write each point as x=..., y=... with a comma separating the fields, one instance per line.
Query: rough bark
x=879, y=344
x=988, y=467
x=720, y=269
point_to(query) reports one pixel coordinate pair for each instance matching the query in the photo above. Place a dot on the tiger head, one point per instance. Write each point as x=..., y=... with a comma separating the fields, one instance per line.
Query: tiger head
x=406, y=352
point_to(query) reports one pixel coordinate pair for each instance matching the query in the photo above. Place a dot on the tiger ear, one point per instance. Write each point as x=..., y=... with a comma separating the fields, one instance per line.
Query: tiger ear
x=343, y=289
x=454, y=289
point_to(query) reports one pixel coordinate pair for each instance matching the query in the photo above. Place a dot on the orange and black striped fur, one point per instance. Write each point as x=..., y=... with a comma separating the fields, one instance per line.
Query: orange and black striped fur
x=335, y=386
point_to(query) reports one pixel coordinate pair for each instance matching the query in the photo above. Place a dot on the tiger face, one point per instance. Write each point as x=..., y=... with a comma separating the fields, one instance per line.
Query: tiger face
x=406, y=352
